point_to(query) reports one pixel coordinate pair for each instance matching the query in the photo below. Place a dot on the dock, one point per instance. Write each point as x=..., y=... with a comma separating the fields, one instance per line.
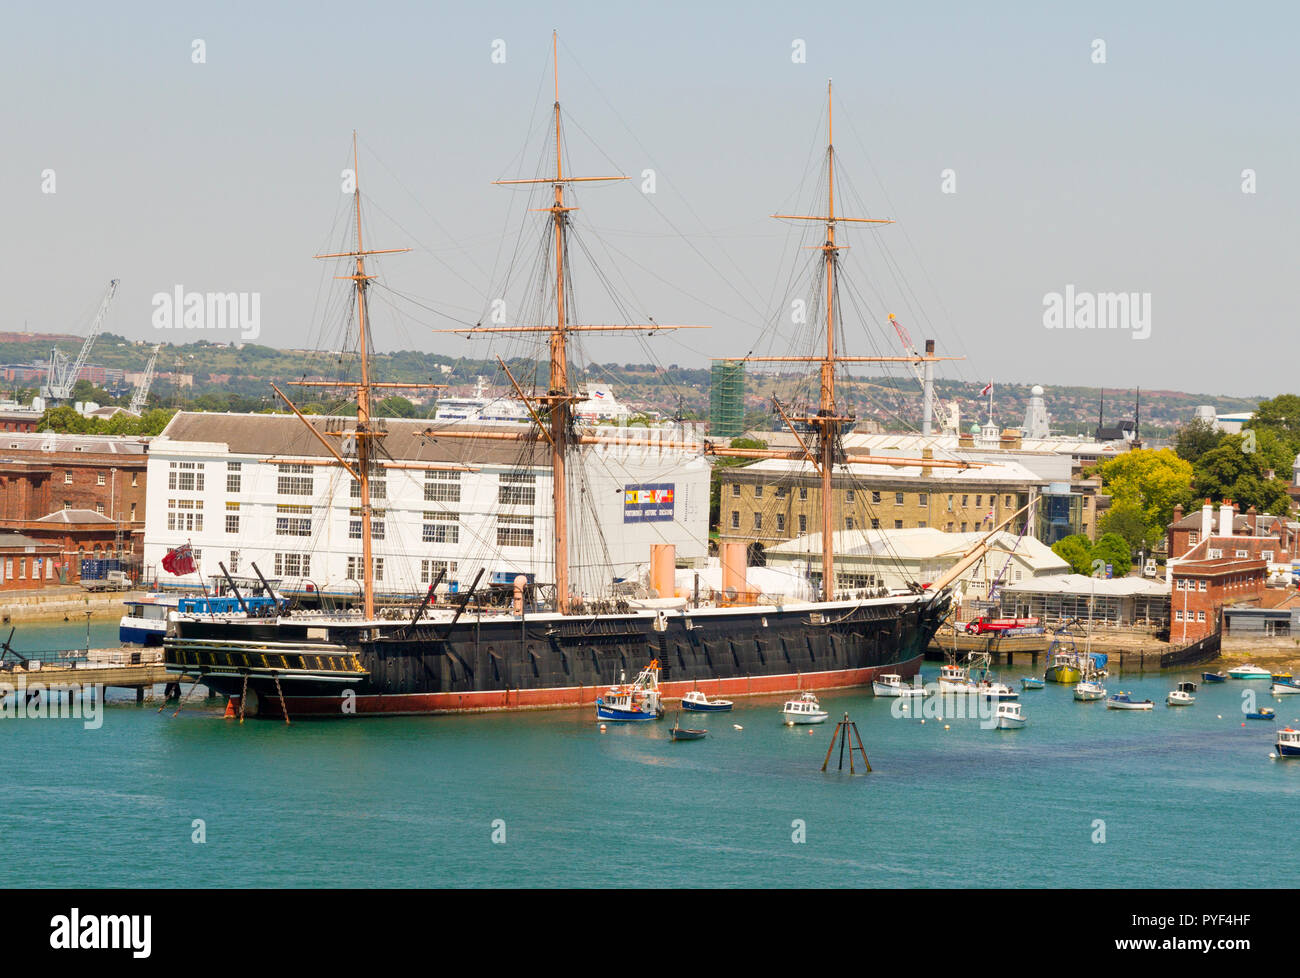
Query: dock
x=124, y=668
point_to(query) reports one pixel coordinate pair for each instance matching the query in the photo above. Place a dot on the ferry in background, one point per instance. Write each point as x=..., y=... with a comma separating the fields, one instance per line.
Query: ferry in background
x=145, y=621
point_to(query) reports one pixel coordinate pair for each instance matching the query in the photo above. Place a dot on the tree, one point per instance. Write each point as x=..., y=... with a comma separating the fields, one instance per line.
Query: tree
x=1196, y=438
x=1111, y=548
x=1126, y=521
x=1076, y=551
x=397, y=407
x=1238, y=470
x=1280, y=415
x=1153, y=481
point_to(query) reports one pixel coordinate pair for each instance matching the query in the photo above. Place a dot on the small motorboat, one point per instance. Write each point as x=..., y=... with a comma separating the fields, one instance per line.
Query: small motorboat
x=1182, y=696
x=805, y=709
x=1249, y=672
x=1282, y=677
x=892, y=684
x=995, y=691
x=1125, y=701
x=1288, y=742
x=1263, y=713
x=1009, y=716
x=1284, y=687
x=1214, y=677
x=1089, y=692
x=699, y=703
x=1029, y=682
x=678, y=732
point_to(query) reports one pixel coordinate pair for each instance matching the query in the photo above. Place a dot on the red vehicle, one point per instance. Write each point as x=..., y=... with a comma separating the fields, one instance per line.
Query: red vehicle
x=981, y=625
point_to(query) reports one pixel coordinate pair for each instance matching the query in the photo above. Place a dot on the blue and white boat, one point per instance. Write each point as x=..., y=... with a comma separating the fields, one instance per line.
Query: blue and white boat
x=1288, y=742
x=1263, y=713
x=697, y=701
x=145, y=621
x=1284, y=687
x=1029, y=682
x=1249, y=672
x=1214, y=677
x=635, y=702
x=1125, y=701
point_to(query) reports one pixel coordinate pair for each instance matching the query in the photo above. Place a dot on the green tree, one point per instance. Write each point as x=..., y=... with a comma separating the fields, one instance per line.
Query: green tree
x=1076, y=551
x=1280, y=415
x=1196, y=438
x=397, y=407
x=1112, y=549
x=1126, y=520
x=1153, y=481
x=1239, y=470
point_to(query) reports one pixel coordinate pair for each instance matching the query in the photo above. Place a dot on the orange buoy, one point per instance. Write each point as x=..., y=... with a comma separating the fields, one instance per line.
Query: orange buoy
x=230, y=709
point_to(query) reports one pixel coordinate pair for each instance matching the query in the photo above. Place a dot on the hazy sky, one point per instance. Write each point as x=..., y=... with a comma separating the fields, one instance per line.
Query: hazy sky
x=1122, y=176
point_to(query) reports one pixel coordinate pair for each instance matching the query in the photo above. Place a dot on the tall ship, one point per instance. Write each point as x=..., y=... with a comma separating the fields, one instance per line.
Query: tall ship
x=562, y=641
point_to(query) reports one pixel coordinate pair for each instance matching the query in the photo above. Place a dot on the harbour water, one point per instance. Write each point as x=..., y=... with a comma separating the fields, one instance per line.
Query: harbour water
x=1083, y=796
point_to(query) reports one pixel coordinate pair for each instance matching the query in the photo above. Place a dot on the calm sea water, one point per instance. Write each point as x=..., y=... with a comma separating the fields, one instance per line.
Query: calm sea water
x=1188, y=796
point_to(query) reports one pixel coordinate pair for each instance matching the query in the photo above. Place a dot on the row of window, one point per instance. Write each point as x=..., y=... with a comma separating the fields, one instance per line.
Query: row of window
x=850, y=496
x=1200, y=616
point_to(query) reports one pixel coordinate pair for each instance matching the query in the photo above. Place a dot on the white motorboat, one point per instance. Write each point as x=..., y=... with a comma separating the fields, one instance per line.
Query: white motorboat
x=805, y=709
x=1125, y=701
x=892, y=684
x=1284, y=687
x=955, y=679
x=1249, y=672
x=1089, y=691
x=1009, y=716
x=1184, y=695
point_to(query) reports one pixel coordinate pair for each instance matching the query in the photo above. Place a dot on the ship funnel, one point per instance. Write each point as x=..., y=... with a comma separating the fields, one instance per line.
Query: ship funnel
x=733, y=557
x=663, y=569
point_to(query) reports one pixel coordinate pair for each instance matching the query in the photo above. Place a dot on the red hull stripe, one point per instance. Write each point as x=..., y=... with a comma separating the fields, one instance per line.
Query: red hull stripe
x=571, y=696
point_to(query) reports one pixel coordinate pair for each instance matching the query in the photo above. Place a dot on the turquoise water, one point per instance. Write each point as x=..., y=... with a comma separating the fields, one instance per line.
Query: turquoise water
x=1189, y=796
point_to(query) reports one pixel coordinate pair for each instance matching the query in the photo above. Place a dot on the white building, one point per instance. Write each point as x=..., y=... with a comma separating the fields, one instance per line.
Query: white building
x=893, y=558
x=244, y=488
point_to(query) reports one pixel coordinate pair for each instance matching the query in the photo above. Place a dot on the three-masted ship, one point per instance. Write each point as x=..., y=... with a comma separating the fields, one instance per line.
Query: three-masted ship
x=448, y=657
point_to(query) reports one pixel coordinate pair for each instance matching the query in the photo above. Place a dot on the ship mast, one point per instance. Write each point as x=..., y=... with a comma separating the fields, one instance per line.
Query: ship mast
x=366, y=433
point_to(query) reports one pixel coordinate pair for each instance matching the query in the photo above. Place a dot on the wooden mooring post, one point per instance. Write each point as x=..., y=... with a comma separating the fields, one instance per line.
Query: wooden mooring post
x=846, y=731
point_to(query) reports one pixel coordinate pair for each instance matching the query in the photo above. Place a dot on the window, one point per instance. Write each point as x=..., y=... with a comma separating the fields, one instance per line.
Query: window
x=234, y=477
x=758, y=492
x=376, y=524
x=135, y=479
x=898, y=499
x=184, y=476
x=99, y=478
x=735, y=490
x=516, y=531
x=781, y=492
x=923, y=498
x=441, y=527
x=67, y=504
x=780, y=522
x=517, y=489
x=294, y=480
x=1200, y=616
x=185, y=515
x=950, y=502
x=758, y=521
x=99, y=508
x=978, y=501
x=848, y=522
x=965, y=501
x=441, y=486
x=963, y=526
x=1215, y=554
x=735, y=519
x=875, y=524
x=922, y=524
x=803, y=492
x=803, y=523
x=1180, y=584
x=429, y=569
x=292, y=565
x=1193, y=537
x=1241, y=553
x=875, y=497
x=1178, y=615
x=67, y=478
x=379, y=568
x=292, y=520
x=1201, y=585
x=1267, y=555
x=898, y=524
x=848, y=496
x=232, y=517
x=233, y=566
x=378, y=484
x=133, y=512
x=1007, y=501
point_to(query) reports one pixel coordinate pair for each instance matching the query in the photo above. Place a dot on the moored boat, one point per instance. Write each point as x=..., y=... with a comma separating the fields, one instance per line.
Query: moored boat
x=1288, y=742
x=697, y=702
x=1263, y=713
x=1009, y=716
x=1215, y=677
x=1249, y=672
x=1125, y=701
x=634, y=702
x=891, y=684
x=1089, y=692
x=806, y=709
x=678, y=732
x=1029, y=682
x=1284, y=687
x=1184, y=695
x=145, y=620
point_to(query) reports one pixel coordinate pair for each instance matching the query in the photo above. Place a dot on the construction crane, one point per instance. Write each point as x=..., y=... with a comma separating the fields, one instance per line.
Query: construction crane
x=142, y=388
x=63, y=371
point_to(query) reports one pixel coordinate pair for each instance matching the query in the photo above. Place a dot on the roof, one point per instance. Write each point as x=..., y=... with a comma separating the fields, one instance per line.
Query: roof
x=9, y=540
x=996, y=474
x=1119, y=587
x=74, y=516
x=921, y=543
x=1215, y=567
x=53, y=441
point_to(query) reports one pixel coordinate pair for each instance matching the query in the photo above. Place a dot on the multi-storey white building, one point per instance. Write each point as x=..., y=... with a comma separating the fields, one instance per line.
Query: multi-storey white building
x=245, y=488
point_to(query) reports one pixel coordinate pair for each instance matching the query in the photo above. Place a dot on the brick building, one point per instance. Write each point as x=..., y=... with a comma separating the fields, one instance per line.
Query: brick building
x=25, y=563
x=1202, y=587
x=1235, y=536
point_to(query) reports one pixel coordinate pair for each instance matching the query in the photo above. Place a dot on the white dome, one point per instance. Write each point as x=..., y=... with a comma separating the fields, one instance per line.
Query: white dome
x=1037, y=390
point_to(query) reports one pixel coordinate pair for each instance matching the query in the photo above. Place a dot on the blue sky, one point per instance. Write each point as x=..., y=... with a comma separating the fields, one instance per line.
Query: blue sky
x=1117, y=177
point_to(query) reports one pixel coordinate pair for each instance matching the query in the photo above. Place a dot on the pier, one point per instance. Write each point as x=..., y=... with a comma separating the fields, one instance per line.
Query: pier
x=128, y=668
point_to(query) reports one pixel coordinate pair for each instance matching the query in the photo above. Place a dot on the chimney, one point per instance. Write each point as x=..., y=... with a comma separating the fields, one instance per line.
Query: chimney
x=926, y=470
x=733, y=557
x=1207, y=520
x=1225, y=518
x=1012, y=439
x=1252, y=518
x=663, y=569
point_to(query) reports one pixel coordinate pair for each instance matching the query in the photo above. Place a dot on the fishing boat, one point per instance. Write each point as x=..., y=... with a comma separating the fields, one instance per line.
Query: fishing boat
x=1009, y=716
x=1284, y=687
x=891, y=684
x=955, y=679
x=1029, y=682
x=564, y=633
x=678, y=732
x=1263, y=713
x=1183, y=695
x=805, y=709
x=1249, y=672
x=1125, y=701
x=1063, y=667
x=1282, y=677
x=1089, y=691
x=697, y=702
x=1214, y=677
x=634, y=702
x=1288, y=742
